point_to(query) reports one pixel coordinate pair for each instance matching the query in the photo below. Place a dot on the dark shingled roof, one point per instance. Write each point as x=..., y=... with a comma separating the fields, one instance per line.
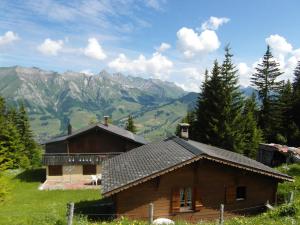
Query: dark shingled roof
x=110, y=128
x=146, y=162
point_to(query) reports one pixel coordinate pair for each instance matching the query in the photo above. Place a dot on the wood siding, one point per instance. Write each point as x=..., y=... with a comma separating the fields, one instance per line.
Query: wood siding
x=93, y=141
x=210, y=179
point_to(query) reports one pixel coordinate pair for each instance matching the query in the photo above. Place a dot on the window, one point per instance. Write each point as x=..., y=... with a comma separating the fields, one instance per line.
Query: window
x=55, y=170
x=185, y=199
x=89, y=169
x=240, y=193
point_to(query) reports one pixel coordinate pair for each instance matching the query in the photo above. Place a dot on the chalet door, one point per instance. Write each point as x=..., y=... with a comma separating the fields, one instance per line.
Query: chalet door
x=55, y=170
x=89, y=169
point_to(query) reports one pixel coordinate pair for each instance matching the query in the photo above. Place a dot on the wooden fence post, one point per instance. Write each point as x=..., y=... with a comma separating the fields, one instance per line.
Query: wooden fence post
x=70, y=212
x=221, y=222
x=291, y=197
x=151, y=209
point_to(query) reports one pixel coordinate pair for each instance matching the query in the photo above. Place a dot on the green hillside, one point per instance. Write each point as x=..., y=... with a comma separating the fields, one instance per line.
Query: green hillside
x=53, y=99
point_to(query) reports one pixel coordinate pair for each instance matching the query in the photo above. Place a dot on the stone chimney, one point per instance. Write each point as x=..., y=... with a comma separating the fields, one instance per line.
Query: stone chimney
x=106, y=120
x=184, y=130
x=69, y=129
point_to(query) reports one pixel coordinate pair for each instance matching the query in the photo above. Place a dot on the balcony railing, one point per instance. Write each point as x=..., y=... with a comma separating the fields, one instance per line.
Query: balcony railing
x=76, y=158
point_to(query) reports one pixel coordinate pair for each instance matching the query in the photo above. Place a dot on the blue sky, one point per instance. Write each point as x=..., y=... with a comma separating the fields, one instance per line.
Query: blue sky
x=170, y=40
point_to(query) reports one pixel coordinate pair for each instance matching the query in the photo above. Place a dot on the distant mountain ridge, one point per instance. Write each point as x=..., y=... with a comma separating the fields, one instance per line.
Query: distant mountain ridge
x=53, y=99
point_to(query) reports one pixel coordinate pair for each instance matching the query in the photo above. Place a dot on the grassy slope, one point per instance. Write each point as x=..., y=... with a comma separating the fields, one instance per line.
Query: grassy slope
x=27, y=205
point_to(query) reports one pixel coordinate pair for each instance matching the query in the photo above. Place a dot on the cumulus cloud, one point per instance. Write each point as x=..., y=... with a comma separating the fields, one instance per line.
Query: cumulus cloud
x=163, y=47
x=191, y=42
x=158, y=65
x=284, y=54
x=245, y=73
x=51, y=47
x=94, y=50
x=279, y=44
x=213, y=23
x=193, y=77
x=8, y=37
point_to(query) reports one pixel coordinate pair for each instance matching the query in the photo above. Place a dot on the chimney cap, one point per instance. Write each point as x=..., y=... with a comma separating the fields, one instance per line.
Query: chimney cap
x=106, y=120
x=69, y=128
x=184, y=124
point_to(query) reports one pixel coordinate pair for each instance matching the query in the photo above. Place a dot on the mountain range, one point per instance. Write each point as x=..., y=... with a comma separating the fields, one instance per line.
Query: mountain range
x=53, y=99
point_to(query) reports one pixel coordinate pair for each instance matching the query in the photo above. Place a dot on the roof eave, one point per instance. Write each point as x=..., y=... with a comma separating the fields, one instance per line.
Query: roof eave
x=252, y=169
x=152, y=176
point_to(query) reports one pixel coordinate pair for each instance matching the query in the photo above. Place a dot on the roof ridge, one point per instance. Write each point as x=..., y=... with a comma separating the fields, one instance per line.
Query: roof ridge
x=196, y=151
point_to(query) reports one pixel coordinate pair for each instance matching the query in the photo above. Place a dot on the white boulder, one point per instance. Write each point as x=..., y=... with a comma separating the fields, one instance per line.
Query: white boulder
x=165, y=221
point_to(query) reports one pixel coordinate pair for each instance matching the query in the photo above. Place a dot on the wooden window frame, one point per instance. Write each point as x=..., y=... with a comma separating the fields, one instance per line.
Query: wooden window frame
x=193, y=205
x=55, y=170
x=86, y=169
x=241, y=190
x=187, y=203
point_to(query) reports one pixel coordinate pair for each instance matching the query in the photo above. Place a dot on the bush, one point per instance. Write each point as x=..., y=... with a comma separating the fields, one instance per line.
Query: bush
x=285, y=210
x=4, y=188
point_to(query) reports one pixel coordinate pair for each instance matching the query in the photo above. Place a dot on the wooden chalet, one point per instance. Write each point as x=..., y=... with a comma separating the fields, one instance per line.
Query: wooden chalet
x=80, y=154
x=185, y=179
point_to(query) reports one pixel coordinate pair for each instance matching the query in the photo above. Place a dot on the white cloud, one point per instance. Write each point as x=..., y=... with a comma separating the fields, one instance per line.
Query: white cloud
x=279, y=44
x=158, y=65
x=8, y=37
x=245, y=73
x=214, y=22
x=192, y=79
x=155, y=4
x=50, y=47
x=87, y=72
x=163, y=47
x=191, y=43
x=296, y=53
x=94, y=50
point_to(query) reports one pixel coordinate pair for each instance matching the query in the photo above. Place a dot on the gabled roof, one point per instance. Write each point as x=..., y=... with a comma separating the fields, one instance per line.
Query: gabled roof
x=154, y=159
x=110, y=129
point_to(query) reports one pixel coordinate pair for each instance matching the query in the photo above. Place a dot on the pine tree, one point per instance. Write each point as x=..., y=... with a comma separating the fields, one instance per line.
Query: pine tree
x=31, y=151
x=233, y=104
x=296, y=106
x=130, y=125
x=265, y=80
x=288, y=129
x=253, y=135
x=296, y=95
x=208, y=127
x=11, y=147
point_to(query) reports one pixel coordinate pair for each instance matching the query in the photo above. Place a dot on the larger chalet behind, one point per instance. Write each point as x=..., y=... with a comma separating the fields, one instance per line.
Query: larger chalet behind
x=79, y=154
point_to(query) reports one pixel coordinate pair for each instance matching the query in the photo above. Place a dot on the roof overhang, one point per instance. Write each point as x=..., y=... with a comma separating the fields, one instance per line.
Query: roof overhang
x=150, y=177
x=203, y=156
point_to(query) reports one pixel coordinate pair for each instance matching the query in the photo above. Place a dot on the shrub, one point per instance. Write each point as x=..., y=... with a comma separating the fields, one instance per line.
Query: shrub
x=4, y=188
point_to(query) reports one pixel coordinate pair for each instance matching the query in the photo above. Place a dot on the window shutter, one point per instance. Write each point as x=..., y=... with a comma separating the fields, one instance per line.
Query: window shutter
x=175, y=203
x=230, y=194
x=197, y=201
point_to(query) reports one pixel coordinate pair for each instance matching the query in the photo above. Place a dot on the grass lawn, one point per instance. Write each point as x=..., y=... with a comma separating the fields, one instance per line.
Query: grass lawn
x=29, y=206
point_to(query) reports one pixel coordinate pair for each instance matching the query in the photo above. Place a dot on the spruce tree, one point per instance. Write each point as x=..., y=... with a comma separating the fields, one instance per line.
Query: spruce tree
x=296, y=106
x=296, y=96
x=31, y=151
x=11, y=147
x=288, y=129
x=208, y=110
x=130, y=125
x=253, y=135
x=233, y=104
x=265, y=81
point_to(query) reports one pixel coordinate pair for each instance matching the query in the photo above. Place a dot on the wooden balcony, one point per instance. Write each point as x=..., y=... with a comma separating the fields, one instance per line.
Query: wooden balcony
x=76, y=158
